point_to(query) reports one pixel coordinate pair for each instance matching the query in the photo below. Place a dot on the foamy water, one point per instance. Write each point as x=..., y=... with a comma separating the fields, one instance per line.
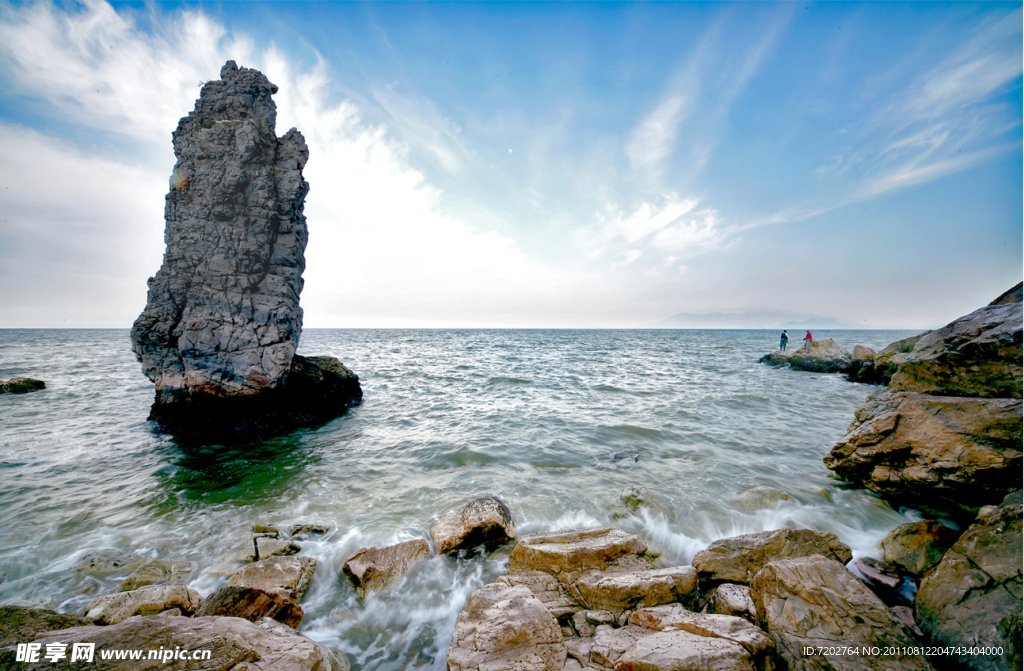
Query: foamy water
x=555, y=423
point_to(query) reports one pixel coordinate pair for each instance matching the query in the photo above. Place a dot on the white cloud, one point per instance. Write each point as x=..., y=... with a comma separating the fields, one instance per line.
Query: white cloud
x=652, y=140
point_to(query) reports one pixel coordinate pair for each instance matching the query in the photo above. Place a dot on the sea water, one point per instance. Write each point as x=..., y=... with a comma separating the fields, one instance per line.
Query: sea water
x=555, y=423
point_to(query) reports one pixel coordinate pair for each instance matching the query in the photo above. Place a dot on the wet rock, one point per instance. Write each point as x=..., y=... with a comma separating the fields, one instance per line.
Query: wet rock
x=222, y=319
x=677, y=650
x=627, y=457
x=586, y=622
x=266, y=531
x=485, y=522
x=379, y=568
x=19, y=624
x=814, y=601
x=271, y=547
x=973, y=596
x=568, y=554
x=285, y=576
x=21, y=385
x=633, y=499
x=731, y=599
x=506, y=627
x=825, y=356
x=149, y=600
x=942, y=454
x=759, y=498
x=617, y=592
x=251, y=604
x=610, y=644
x=879, y=579
x=547, y=589
x=158, y=572
x=737, y=559
x=234, y=643
x=916, y=547
x=314, y=529
x=103, y=562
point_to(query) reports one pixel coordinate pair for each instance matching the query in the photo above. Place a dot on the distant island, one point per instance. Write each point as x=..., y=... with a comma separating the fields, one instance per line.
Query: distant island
x=753, y=319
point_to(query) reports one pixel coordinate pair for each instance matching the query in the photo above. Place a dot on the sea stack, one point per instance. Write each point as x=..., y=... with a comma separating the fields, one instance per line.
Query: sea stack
x=222, y=320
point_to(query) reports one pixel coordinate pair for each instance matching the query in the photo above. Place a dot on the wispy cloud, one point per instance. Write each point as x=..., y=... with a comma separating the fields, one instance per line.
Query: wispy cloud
x=654, y=137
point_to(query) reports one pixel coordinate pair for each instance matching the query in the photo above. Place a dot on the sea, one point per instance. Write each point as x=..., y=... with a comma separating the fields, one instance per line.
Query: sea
x=555, y=423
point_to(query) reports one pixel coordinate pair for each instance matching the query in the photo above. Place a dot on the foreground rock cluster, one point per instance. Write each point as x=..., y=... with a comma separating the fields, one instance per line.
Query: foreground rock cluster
x=222, y=320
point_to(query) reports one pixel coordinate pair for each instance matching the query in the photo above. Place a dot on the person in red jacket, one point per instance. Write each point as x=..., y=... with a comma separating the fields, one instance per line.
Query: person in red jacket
x=807, y=341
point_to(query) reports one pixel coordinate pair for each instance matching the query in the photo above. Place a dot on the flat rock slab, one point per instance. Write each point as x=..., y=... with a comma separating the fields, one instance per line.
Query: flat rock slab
x=611, y=643
x=286, y=576
x=486, y=522
x=618, y=592
x=19, y=624
x=267, y=546
x=684, y=651
x=735, y=629
x=739, y=558
x=506, y=627
x=815, y=602
x=379, y=568
x=158, y=573
x=973, y=596
x=253, y=605
x=149, y=600
x=103, y=562
x=233, y=643
x=568, y=554
x=547, y=589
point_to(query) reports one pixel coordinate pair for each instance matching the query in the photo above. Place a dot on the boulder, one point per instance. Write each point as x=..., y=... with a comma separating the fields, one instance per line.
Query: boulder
x=739, y=558
x=267, y=546
x=633, y=499
x=825, y=356
x=549, y=591
x=506, y=627
x=913, y=549
x=972, y=598
x=20, y=625
x=735, y=629
x=379, y=568
x=684, y=651
x=568, y=554
x=158, y=572
x=103, y=562
x=879, y=368
x=21, y=385
x=617, y=592
x=222, y=319
x=233, y=643
x=485, y=522
x=946, y=455
x=731, y=599
x=252, y=604
x=815, y=602
x=863, y=353
x=149, y=600
x=285, y=576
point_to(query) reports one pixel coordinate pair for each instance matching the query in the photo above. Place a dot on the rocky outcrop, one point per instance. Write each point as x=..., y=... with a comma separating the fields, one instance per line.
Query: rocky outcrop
x=21, y=385
x=619, y=591
x=379, y=568
x=825, y=356
x=913, y=549
x=945, y=436
x=569, y=554
x=20, y=625
x=738, y=559
x=149, y=600
x=287, y=577
x=222, y=320
x=972, y=598
x=486, y=523
x=815, y=602
x=233, y=643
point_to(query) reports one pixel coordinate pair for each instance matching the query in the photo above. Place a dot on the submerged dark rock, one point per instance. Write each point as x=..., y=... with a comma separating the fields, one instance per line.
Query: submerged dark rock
x=21, y=385
x=222, y=321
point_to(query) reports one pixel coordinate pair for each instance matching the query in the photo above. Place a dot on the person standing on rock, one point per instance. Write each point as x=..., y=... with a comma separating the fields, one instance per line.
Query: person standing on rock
x=783, y=341
x=807, y=341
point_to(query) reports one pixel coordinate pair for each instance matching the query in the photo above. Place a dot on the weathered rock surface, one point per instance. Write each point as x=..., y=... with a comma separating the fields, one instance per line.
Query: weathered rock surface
x=949, y=455
x=549, y=591
x=158, y=572
x=814, y=601
x=825, y=356
x=21, y=385
x=379, y=568
x=222, y=319
x=731, y=599
x=506, y=627
x=149, y=600
x=234, y=643
x=915, y=548
x=286, y=576
x=567, y=555
x=251, y=604
x=268, y=546
x=735, y=629
x=103, y=562
x=610, y=644
x=973, y=596
x=617, y=592
x=739, y=558
x=683, y=651
x=308, y=528
x=485, y=522
x=19, y=624
x=863, y=353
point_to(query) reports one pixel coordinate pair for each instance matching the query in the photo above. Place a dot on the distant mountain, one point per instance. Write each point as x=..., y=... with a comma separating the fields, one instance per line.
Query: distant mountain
x=753, y=319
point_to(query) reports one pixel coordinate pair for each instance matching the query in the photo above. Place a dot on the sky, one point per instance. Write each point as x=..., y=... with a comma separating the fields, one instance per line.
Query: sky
x=537, y=165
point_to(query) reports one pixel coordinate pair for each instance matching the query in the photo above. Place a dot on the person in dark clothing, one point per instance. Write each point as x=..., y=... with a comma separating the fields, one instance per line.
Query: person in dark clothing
x=783, y=341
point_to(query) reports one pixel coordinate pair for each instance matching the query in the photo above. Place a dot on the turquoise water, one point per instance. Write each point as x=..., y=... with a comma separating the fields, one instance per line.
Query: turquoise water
x=555, y=423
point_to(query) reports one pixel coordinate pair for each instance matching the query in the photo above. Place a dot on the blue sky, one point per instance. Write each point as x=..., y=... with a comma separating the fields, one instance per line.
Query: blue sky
x=538, y=165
